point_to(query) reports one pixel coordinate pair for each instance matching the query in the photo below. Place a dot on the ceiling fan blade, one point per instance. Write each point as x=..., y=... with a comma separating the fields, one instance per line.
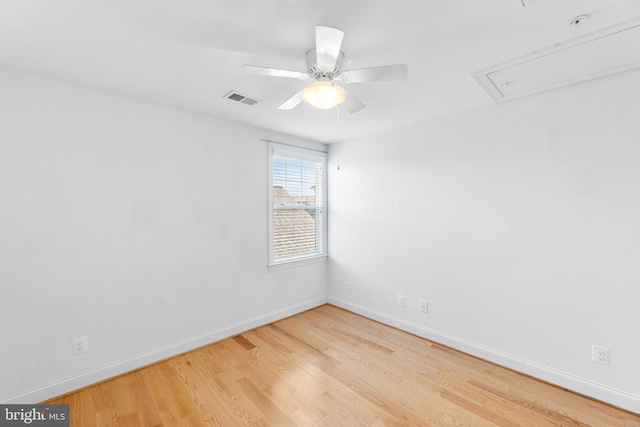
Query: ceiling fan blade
x=292, y=102
x=328, y=43
x=352, y=104
x=273, y=72
x=376, y=74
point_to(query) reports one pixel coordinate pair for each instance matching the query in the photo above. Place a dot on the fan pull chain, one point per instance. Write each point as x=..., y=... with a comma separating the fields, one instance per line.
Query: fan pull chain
x=338, y=133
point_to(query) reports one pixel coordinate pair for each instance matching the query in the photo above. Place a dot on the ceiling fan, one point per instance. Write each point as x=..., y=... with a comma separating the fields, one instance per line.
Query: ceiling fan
x=324, y=65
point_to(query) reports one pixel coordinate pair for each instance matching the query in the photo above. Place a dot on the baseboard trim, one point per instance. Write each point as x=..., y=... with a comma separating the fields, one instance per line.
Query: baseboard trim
x=75, y=382
x=619, y=398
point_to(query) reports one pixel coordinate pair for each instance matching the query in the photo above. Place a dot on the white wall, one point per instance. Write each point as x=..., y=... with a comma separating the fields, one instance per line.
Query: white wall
x=142, y=227
x=519, y=223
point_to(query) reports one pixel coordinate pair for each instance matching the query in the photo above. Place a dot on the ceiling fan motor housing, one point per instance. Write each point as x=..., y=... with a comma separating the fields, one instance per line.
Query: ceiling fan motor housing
x=322, y=73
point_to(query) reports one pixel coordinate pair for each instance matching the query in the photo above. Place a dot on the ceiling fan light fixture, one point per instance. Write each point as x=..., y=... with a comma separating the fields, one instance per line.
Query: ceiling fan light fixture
x=323, y=95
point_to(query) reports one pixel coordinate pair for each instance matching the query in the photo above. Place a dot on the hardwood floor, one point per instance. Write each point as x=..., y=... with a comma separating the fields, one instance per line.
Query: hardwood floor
x=329, y=367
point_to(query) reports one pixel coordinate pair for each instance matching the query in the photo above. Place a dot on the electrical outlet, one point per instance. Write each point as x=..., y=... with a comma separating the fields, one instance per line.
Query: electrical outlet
x=424, y=306
x=349, y=286
x=80, y=345
x=402, y=301
x=600, y=354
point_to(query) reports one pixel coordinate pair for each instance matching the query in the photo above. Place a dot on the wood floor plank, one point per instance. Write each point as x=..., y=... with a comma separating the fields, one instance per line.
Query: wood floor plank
x=144, y=406
x=300, y=419
x=326, y=368
x=226, y=400
x=272, y=414
x=170, y=397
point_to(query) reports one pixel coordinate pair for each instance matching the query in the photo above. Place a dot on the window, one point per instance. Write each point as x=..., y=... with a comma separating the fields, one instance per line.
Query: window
x=297, y=203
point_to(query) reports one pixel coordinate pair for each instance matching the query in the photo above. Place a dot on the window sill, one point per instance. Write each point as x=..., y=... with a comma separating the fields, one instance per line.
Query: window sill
x=285, y=265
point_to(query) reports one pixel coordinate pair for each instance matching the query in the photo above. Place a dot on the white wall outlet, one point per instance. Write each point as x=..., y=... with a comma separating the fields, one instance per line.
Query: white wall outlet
x=424, y=306
x=80, y=345
x=600, y=354
x=349, y=286
x=402, y=301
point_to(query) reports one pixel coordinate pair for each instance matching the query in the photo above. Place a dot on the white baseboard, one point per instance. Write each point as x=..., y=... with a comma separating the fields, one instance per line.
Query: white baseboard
x=622, y=399
x=102, y=373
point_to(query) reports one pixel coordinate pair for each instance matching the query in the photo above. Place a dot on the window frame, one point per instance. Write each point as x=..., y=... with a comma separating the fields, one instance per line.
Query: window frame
x=277, y=149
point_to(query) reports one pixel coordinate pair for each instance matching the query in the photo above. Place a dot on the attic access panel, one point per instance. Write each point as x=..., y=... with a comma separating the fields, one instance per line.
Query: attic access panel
x=598, y=54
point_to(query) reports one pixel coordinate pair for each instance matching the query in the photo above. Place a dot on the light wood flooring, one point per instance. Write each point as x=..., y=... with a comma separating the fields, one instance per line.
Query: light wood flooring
x=329, y=367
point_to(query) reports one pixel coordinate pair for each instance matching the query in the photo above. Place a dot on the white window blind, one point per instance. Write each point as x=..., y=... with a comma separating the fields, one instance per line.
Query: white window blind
x=297, y=207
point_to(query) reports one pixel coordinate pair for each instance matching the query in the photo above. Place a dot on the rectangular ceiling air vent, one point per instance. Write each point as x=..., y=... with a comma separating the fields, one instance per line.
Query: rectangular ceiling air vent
x=598, y=54
x=238, y=97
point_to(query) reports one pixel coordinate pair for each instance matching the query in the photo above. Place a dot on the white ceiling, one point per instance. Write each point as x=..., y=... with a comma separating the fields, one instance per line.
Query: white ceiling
x=189, y=53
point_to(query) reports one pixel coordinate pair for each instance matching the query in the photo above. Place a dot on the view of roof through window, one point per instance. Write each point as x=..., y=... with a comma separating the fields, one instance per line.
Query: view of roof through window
x=296, y=202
